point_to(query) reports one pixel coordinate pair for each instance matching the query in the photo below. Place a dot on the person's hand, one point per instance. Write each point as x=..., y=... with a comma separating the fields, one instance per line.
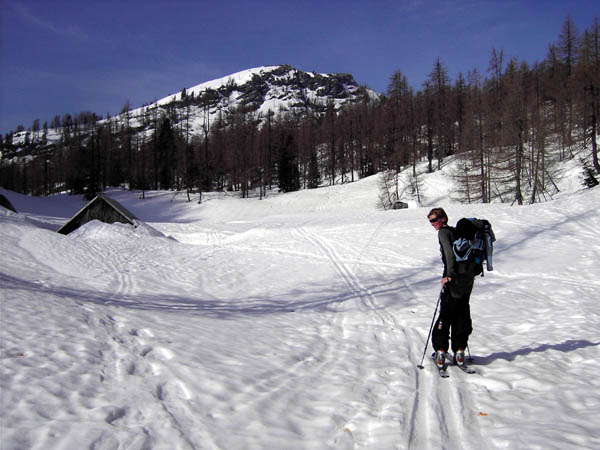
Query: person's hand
x=446, y=280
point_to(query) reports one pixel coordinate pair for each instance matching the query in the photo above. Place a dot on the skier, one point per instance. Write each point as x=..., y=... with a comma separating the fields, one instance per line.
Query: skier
x=455, y=312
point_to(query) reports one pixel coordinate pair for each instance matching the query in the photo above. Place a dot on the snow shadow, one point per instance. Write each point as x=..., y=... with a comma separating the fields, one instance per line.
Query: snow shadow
x=538, y=230
x=567, y=346
x=312, y=298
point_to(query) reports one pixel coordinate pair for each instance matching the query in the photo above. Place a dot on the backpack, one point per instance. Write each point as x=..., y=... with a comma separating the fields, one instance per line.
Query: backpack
x=473, y=244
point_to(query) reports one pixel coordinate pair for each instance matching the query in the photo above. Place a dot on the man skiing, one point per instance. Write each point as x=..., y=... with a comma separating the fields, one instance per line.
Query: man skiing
x=455, y=311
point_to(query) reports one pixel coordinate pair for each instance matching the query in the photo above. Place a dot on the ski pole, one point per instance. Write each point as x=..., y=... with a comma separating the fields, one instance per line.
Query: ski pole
x=420, y=366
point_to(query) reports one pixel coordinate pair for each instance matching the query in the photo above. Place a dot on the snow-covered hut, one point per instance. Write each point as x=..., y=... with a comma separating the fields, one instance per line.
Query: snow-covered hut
x=6, y=203
x=100, y=208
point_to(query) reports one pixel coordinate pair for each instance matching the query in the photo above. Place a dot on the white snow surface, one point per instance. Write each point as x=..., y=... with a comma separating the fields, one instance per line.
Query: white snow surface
x=293, y=322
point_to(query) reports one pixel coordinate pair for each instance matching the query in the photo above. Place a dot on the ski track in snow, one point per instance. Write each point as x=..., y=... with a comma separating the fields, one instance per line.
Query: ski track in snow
x=250, y=329
x=447, y=400
x=374, y=333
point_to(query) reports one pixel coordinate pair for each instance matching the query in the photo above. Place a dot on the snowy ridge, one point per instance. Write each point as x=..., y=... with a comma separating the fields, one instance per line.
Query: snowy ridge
x=283, y=76
x=293, y=322
x=267, y=89
x=237, y=79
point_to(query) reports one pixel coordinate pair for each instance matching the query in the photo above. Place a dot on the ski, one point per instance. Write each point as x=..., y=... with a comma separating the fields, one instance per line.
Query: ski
x=466, y=369
x=443, y=372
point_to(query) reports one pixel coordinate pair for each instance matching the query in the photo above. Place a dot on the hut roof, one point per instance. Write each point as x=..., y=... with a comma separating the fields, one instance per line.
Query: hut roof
x=6, y=203
x=101, y=208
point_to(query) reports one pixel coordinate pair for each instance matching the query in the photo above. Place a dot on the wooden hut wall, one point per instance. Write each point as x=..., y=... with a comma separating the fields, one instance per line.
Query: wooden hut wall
x=97, y=210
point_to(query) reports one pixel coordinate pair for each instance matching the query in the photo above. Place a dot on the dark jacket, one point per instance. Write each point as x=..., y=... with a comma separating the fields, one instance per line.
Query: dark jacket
x=461, y=283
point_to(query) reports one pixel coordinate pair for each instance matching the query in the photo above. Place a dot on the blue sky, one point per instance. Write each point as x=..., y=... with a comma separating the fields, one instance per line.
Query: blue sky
x=60, y=57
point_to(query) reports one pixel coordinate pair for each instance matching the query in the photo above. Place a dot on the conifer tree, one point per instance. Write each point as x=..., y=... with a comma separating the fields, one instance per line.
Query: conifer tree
x=289, y=175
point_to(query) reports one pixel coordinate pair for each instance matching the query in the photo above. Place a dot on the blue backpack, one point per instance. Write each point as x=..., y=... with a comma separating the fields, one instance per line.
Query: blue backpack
x=473, y=244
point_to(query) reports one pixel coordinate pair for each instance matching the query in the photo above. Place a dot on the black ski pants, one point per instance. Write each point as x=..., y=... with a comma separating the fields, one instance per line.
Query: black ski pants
x=455, y=317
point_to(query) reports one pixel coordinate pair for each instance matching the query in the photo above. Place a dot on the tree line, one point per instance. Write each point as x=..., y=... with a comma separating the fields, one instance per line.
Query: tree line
x=502, y=127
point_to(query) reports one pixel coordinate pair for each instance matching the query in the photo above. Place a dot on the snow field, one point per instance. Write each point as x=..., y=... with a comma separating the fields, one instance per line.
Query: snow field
x=293, y=322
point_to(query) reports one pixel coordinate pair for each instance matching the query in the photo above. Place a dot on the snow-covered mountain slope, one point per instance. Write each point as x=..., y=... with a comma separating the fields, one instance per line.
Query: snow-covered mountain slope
x=261, y=90
x=295, y=322
x=277, y=88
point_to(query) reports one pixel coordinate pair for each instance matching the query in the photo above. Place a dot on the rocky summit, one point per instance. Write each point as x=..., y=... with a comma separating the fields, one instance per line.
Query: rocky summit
x=256, y=93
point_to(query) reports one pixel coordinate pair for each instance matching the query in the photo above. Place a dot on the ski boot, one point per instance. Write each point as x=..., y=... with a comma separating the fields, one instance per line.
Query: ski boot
x=440, y=359
x=459, y=358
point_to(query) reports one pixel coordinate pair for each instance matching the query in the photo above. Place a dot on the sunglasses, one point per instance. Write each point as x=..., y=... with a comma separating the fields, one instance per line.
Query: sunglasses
x=434, y=220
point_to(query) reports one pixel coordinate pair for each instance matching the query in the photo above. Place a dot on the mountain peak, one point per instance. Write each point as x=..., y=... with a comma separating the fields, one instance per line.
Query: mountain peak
x=259, y=91
x=262, y=90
